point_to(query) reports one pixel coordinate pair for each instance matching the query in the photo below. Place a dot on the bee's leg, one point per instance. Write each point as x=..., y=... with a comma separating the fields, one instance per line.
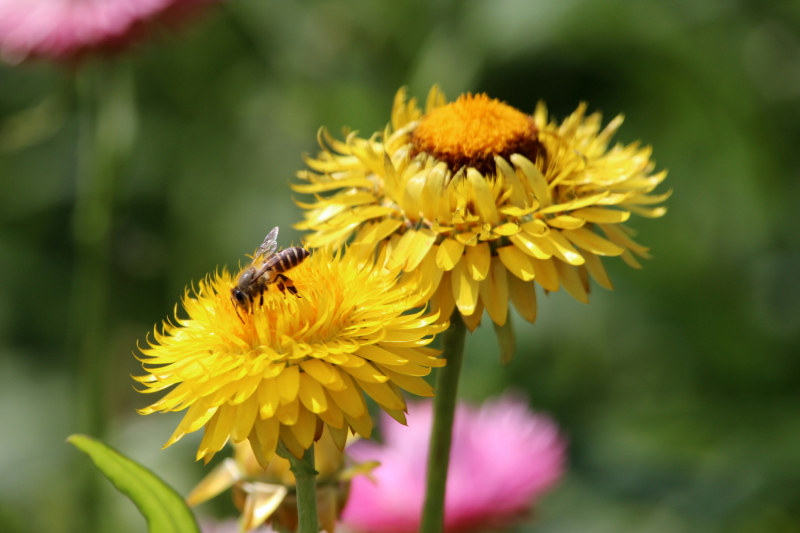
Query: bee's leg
x=289, y=284
x=282, y=283
x=261, y=303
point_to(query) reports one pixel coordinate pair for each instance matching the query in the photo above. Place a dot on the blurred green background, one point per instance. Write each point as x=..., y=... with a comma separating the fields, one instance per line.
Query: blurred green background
x=680, y=391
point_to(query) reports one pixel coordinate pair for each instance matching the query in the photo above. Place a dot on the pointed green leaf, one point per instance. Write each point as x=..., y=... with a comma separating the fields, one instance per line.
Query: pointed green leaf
x=163, y=508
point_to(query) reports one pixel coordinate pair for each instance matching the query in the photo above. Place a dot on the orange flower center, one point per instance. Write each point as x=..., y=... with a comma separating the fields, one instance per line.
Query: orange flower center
x=474, y=129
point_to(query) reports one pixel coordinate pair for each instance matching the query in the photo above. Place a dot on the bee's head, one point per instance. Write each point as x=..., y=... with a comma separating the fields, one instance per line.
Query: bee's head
x=239, y=296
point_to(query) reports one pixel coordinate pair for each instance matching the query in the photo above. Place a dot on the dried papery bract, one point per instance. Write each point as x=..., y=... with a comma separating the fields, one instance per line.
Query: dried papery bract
x=268, y=495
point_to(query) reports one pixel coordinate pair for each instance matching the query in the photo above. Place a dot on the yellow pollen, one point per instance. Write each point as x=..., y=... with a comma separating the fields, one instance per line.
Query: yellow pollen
x=472, y=130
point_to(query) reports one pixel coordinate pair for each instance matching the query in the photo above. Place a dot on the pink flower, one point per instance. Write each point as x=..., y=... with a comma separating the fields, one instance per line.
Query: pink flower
x=63, y=29
x=502, y=458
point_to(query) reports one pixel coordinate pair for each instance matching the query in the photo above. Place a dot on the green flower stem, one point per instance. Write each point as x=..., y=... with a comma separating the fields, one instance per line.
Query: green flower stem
x=444, y=408
x=305, y=476
x=106, y=129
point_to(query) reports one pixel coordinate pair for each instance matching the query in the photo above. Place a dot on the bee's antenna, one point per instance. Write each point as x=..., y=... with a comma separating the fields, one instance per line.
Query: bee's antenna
x=236, y=308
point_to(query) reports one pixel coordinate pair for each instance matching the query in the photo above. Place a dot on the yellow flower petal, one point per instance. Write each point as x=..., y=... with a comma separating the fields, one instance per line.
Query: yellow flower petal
x=443, y=299
x=474, y=320
x=563, y=249
x=450, y=252
x=291, y=443
x=523, y=296
x=380, y=231
x=431, y=274
x=654, y=212
x=566, y=222
x=532, y=246
x=517, y=262
x=568, y=276
x=196, y=417
x=269, y=397
x=645, y=199
x=418, y=248
x=470, y=238
x=217, y=432
x=465, y=288
x=433, y=194
x=265, y=434
x=616, y=235
x=482, y=194
x=362, y=426
x=380, y=355
x=349, y=399
x=383, y=394
x=312, y=188
x=546, y=273
x=580, y=202
x=518, y=197
x=287, y=413
x=478, y=258
x=401, y=251
x=591, y=241
x=494, y=292
x=367, y=373
x=339, y=437
x=599, y=214
x=323, y=373
x=535, y=178
x=412, y=195
x=333, y=415
x=246, y=414
x=536, y=228
x=289, y=383
x=595, y=267
x=413, y=384
x=305, y=427
x=630, y=260
x=507, y=229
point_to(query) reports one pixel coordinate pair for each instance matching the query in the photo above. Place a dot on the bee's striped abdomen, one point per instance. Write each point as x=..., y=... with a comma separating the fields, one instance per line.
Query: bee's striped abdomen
x=290, y=258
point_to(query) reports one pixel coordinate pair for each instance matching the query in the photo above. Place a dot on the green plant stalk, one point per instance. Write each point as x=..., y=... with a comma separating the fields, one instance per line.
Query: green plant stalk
x=305, y=476
x=444, y=408
x=106, y=129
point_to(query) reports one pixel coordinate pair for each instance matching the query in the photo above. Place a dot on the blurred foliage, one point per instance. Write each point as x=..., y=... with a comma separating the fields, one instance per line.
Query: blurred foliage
x=679, y=391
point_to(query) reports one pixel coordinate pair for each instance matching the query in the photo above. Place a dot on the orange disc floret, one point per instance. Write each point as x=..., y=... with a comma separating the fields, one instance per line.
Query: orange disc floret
x=472, y=130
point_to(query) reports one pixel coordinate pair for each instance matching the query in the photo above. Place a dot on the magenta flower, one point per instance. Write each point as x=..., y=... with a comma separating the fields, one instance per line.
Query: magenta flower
x=503, y=457
x=62, y=29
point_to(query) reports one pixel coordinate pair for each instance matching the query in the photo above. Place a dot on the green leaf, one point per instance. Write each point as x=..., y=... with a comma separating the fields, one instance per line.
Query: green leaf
x=163, y=508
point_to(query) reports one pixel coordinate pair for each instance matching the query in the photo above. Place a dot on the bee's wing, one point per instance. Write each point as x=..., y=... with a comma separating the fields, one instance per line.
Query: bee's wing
x=266, y=263
x=269, y=245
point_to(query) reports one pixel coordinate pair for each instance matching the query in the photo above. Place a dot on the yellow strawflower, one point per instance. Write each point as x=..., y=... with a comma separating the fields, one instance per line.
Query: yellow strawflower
x=486, y=199
x=294, y=363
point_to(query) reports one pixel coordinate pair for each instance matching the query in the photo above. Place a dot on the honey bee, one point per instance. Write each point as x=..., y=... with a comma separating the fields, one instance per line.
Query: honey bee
x=267, y=268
